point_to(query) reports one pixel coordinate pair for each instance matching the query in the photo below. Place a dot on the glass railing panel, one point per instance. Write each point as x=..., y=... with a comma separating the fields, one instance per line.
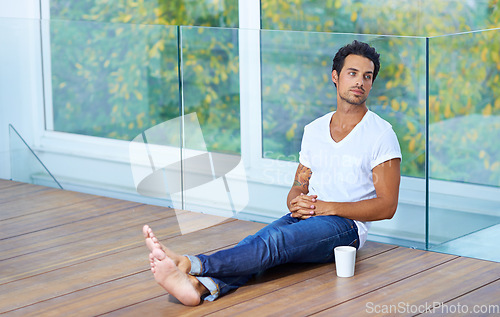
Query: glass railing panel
x=464, y=156
x=210, y=85
x=393, y=17
x=297, y=88
x=211, y=153
x=156, y=165
x=121, y=82
x=191, y=140
x=25, y=165
x=114, y=89
x=112, y=80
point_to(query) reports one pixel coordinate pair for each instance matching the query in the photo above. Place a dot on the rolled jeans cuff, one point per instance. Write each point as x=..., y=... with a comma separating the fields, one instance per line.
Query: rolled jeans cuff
x=196, y=266
x=212, y=287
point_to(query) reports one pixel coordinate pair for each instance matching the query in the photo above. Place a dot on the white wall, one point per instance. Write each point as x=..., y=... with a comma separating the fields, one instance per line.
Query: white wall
x=20, y=73
x=20, y=9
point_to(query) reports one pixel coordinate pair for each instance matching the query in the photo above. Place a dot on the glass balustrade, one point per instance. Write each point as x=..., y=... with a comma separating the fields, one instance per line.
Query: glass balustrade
x=210, y=119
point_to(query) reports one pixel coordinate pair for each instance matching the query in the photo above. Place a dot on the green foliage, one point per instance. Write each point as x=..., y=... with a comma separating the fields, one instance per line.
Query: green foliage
x=113, y=80
x=118, y=74
x=211, y=84
x=219, y=13
x=465, y=107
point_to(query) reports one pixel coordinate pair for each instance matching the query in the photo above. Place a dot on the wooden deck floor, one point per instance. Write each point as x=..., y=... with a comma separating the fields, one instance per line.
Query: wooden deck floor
x=71, y=254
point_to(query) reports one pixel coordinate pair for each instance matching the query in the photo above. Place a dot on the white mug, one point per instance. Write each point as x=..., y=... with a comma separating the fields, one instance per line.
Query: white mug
x=345, y=260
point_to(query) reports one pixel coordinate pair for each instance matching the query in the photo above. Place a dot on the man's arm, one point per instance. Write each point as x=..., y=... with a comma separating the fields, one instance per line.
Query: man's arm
x=386, y=179
x=299, y=188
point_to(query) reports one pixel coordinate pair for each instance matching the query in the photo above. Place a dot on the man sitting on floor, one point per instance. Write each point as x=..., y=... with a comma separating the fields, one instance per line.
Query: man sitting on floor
x=348, y=175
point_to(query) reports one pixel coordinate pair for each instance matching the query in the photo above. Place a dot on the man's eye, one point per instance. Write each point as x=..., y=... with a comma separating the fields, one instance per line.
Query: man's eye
x=352, y=73
x=368, y=77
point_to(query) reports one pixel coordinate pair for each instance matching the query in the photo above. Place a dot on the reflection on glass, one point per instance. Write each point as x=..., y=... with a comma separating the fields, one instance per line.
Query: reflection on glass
x=296, y=86
x=25, y=165
x=211, y=89
x=213, y=171
x=464, y=130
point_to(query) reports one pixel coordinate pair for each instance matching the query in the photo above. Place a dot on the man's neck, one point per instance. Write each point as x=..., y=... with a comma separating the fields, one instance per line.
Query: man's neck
x=348, y=115
x=344, y=120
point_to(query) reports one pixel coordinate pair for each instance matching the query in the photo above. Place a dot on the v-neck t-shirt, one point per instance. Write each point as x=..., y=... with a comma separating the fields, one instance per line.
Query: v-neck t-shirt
x=342, y=171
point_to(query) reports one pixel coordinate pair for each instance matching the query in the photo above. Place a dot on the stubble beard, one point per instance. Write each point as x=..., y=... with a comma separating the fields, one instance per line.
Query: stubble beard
x=356, y=101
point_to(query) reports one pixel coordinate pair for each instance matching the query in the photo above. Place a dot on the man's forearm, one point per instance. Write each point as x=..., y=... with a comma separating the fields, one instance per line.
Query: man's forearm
x=378, y=208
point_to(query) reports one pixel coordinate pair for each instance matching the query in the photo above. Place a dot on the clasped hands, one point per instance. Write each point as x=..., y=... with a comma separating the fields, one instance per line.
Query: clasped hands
x=304, y=206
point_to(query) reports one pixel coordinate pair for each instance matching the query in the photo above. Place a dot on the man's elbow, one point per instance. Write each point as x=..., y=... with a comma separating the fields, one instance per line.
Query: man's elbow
x=391, y=210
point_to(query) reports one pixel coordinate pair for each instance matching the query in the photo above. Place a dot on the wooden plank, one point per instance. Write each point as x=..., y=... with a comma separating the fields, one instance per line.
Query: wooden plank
x=138, y=288
x=483, y=301
x=98, y=299
x=414, y=294
x=4, y=183
x=114, y=263
x=58, y=216
x=29, y=202
x=89, y=245
x=277, y=278
x=66, y=279
x=327, y=290
x=66, y=253
x=40, y=240
x=11, y=190
x=21, y=190
x=62, y=246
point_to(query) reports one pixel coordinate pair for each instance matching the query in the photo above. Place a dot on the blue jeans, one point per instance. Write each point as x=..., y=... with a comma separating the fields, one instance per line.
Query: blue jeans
x=286, y=240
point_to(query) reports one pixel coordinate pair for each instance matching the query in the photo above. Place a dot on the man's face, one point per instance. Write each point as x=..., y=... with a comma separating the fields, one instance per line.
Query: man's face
x=355, y=79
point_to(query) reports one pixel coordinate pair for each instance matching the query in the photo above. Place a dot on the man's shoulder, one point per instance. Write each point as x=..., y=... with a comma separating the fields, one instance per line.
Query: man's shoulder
x=377, y=122
x=379, y=130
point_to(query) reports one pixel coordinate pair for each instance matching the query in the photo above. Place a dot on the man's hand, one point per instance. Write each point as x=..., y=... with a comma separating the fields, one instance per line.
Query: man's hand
x=303, y=206
x=386, y=178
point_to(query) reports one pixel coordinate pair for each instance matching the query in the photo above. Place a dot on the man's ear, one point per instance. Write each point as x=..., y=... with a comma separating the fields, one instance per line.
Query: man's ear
x=335, y=76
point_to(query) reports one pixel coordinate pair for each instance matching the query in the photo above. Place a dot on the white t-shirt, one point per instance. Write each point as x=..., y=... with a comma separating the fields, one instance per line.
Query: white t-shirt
x=342, y=171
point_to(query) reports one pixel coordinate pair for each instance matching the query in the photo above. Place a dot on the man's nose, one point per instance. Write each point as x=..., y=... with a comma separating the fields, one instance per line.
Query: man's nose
x=359, y=81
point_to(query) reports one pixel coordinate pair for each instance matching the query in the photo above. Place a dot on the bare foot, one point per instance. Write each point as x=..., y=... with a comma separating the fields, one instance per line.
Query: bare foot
x=151, y=240
x=152, y=243
x=186, y=288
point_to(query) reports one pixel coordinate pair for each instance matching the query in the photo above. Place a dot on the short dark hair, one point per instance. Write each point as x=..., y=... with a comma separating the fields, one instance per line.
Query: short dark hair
x=356, y=48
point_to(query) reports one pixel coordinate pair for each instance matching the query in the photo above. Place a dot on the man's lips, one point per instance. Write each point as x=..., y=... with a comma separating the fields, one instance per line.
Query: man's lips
x=358, y=91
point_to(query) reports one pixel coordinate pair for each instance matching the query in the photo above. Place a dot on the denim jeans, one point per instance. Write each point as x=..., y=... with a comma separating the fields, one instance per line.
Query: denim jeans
x=286, y=240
